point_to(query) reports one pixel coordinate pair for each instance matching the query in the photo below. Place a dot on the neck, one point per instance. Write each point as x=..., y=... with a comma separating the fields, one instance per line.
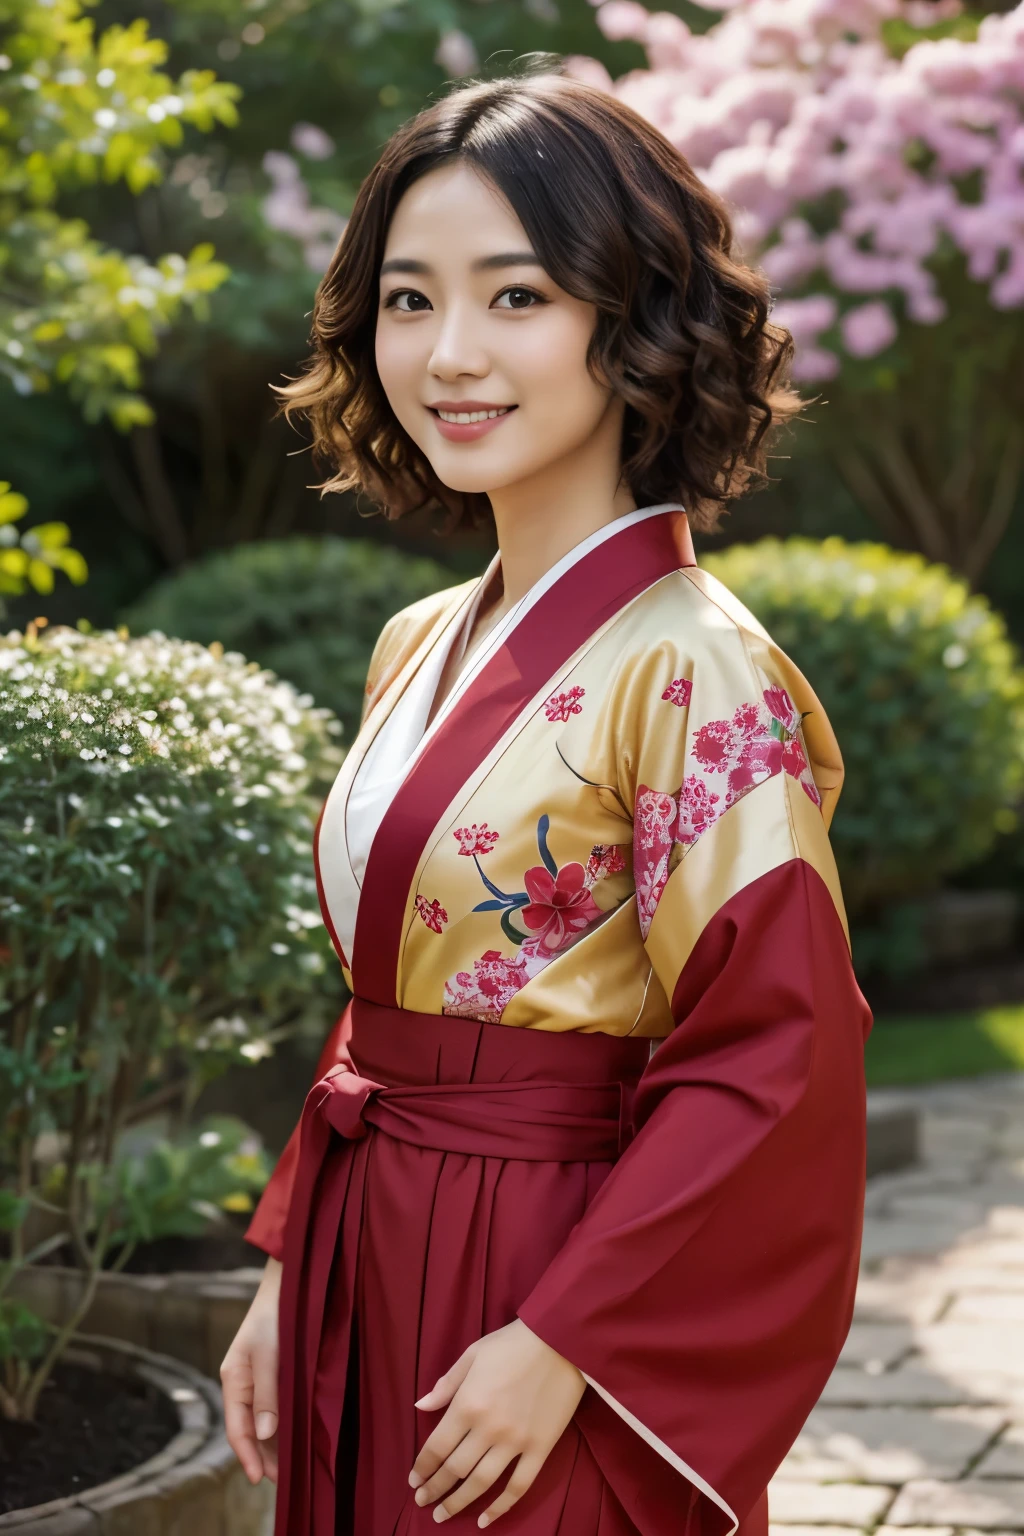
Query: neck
x=541, y=518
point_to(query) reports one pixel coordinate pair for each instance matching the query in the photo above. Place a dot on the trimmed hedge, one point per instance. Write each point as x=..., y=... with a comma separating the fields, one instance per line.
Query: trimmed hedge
x=309, y=609
x=924, y=691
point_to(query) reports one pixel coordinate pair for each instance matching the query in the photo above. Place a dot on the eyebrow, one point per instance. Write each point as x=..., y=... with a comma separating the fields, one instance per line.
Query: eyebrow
x=482, y=264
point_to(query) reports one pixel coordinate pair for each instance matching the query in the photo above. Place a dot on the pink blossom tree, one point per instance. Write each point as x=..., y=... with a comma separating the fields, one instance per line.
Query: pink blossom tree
x=872, y=152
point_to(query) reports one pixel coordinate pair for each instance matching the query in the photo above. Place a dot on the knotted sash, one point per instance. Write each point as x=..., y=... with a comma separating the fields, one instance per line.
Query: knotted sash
x=546, y=1117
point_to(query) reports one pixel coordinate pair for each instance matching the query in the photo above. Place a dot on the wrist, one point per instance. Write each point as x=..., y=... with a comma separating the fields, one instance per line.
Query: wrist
x=271, y=1277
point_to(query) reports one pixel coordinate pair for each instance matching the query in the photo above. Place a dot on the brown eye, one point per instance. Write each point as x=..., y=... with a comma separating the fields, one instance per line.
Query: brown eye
x=391, y=302
x=519, y=294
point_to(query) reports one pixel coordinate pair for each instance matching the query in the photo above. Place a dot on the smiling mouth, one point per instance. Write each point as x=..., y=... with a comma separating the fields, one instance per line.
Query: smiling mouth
x=469, y=418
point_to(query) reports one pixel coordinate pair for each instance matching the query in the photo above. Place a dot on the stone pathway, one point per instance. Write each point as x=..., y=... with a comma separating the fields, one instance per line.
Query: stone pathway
x=920, y=1431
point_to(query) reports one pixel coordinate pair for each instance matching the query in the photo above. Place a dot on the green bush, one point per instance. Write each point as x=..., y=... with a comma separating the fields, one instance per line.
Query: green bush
x=310, y=609
x=158, y=912
x=923, y=689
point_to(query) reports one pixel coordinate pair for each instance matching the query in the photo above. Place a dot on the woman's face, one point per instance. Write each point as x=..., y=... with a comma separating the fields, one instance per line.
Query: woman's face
x=469, y=321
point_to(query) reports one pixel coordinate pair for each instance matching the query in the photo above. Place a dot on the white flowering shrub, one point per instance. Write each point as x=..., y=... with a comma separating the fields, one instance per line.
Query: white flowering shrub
x=158, y=911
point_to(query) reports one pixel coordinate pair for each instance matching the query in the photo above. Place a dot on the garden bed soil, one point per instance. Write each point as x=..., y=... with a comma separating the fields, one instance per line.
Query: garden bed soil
x=91, y=1426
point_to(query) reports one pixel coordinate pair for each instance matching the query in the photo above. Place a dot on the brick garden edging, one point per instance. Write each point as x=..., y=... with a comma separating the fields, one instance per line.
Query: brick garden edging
x=194, y=1484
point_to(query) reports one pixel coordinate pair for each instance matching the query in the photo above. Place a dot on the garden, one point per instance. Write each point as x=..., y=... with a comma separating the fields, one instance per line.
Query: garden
x=186, y=624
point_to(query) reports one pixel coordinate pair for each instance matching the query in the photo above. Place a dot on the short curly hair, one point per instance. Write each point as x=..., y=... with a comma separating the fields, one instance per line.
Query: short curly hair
x=618, y=218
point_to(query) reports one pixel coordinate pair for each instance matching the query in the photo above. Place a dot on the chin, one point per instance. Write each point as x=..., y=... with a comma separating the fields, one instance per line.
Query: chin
x=477, y=479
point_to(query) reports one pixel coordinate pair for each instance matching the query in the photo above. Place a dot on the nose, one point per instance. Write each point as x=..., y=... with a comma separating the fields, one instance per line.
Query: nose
x=458, y=348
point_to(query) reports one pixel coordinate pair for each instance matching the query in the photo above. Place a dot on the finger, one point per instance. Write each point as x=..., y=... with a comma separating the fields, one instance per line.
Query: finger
x=264, y=1396
x=480, y=1479
x=530, y=1464
x=268, y=1451
x=238, y=1418
x=446, y=1386
x=455, y=1467
x=438, y=1446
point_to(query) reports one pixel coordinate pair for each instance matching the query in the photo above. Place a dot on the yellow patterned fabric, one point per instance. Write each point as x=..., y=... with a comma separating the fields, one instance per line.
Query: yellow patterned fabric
x=675, y=758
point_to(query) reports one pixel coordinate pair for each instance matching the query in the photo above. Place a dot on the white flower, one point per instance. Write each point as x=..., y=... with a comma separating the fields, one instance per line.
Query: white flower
x=210, y=1139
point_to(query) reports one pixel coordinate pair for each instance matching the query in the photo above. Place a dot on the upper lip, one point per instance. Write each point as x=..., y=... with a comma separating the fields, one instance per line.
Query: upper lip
x=469, y=405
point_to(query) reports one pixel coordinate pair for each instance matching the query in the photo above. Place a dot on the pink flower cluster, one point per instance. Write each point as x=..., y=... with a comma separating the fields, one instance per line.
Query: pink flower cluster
x=432, y=913
x=732, y=757
x=785, y=103
x=486, y=991
x=605, y=859
x=561, y=705
x=475, y=839
x=288, y=206
x=679, y=691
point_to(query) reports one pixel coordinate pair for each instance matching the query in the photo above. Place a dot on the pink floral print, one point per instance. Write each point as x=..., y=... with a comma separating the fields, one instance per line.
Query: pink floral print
x=679, y=691
x=654, y=820
x=560, y=906
x=732, y=757
x=605, y=859
x=561, y=705
x=475, y=839
x=697, y=802
x=653, y=817
x=432, y=913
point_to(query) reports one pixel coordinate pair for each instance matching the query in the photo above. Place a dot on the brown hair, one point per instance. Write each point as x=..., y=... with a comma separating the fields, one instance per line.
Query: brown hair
x=618, y=218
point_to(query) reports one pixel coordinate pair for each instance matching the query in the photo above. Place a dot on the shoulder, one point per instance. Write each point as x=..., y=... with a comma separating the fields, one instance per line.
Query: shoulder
x=406, y=628
x=689, y=641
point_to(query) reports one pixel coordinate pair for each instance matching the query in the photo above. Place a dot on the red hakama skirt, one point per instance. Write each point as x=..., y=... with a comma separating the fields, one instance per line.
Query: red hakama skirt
x=435, y=1183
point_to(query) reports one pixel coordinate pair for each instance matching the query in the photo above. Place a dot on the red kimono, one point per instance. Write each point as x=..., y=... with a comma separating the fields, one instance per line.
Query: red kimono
x=646, y=1142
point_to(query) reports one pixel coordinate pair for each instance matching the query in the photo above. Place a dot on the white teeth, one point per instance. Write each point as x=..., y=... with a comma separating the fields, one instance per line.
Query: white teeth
x=463, y=417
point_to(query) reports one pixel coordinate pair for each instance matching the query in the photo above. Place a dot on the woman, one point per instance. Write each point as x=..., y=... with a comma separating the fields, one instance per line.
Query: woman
x=534, y=1269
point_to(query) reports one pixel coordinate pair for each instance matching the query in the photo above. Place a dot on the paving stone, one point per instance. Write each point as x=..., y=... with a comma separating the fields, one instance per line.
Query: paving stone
x=875, y=1346
x=847, y=1504
x=973, y=1347
x=908, y=1385
x=954, y=1206
x=818, y=1530
x=985, y=1505
x=915, y=1530
x=1005, y=1459
x=814, y=1530
x=986, y=1307
x=913, y=1301
x=885, y=1236
x=957, y=1276
x=890, y=1445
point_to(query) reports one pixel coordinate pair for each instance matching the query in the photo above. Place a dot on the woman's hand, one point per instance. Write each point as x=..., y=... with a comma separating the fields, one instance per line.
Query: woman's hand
x=510, y=1394
x=248, y=1375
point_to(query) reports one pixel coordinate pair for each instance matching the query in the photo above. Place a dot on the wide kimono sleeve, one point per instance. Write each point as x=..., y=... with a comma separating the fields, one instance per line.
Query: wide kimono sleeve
x=708, y=1288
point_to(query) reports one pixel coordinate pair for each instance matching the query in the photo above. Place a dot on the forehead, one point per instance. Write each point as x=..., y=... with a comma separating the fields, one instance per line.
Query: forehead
x=456, y=213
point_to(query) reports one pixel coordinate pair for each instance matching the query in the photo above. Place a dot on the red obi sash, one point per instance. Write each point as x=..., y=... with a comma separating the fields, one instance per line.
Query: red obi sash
x=450, y=1084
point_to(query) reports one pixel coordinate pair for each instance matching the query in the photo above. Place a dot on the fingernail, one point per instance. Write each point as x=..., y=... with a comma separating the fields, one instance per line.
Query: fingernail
x=484, y=1520
x=414, y=1480
x=266, y=1423
x=421, y=1400
x=440, y=1513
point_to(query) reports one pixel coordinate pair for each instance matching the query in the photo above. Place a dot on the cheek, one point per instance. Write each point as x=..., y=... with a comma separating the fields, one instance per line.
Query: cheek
x=552, y=364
